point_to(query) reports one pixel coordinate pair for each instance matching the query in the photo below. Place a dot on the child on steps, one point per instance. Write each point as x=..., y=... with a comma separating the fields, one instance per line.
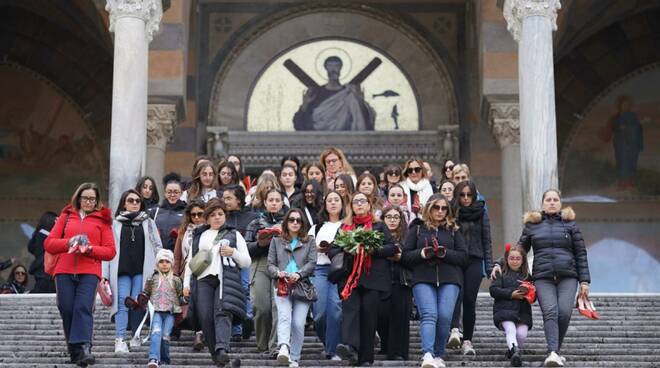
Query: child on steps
x=512, y=313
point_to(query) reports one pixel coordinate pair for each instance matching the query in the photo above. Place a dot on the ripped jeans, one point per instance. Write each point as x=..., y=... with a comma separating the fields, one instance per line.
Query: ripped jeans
x=161, y=327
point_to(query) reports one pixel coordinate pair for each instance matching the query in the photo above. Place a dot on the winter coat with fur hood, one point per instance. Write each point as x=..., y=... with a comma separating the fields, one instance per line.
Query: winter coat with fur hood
x=559, y=249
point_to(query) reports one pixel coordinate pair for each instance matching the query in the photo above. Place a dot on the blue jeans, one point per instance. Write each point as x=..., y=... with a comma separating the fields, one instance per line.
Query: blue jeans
x=326, y=310
x=291, y=316
x=127, y=285
x=436, y=306
x=161, y=326
x=75, y=301
x=237, y=329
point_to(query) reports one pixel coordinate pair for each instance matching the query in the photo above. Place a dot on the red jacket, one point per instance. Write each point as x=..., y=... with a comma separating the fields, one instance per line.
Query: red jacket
x=98, y=228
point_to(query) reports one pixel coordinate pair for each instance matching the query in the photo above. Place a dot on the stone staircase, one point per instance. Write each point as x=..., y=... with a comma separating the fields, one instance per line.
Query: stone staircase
x=628, y=335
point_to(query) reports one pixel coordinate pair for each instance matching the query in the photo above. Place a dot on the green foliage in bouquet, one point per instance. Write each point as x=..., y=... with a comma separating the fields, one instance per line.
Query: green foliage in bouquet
x=349, y=240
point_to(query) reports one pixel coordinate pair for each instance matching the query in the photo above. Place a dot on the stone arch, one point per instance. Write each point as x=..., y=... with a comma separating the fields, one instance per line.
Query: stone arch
x=430, y=72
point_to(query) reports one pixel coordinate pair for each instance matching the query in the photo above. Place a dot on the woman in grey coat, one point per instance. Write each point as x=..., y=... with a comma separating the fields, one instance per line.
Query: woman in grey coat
x=137, y=240
x=291, y=258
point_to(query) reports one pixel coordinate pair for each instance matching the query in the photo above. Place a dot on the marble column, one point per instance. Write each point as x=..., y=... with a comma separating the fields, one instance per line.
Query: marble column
x=161, y=122
x=133, y=23
x=504, y=121
x=531, y=22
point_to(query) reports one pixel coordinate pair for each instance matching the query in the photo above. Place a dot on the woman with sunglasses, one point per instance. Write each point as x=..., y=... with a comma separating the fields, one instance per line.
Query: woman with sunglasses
x=78, y=266
x=447, y=170
x=474, y=225
x=392, y=176
x=417, y=186
x=312, y=202
x=394, y=312
x=169, y=214
x=327, y=309
x=291, y=259
x=138, y=242
x=435, y=251
x=17, y=282
x=359, y=305
x=193, y=218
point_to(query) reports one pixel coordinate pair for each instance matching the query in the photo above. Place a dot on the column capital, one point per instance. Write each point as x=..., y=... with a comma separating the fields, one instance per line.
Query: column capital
x=161, y=122
x=515, y=11
x=150, y=11
x=504, y=121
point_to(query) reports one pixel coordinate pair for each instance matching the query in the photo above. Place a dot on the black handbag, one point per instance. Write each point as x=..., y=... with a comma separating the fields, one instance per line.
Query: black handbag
x=340, y=267
x=304, y=291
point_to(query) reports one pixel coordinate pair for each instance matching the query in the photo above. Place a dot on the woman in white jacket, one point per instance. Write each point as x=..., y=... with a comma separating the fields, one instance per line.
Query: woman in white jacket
x=217, y=290
x=418, y=188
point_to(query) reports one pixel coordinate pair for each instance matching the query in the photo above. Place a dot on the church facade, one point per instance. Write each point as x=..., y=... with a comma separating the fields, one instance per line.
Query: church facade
x=385, y=80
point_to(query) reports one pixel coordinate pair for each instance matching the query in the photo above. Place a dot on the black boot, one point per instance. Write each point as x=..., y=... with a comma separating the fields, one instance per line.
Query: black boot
x=86, y=357
x=516, y=359
x=248, y=327
x=75, y=352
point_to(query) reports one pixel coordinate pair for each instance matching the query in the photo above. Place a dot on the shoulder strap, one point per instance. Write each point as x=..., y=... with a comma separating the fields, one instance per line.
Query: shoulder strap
x=317, y=228
x=156, y=214
x=66, y=221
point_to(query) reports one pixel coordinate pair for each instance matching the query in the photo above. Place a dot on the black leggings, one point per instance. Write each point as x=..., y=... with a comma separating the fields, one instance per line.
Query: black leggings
x=472, y=275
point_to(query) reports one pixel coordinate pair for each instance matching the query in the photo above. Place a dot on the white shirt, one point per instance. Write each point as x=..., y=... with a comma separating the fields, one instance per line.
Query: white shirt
x=327, y=232
x=205, y=196
x=241, y=256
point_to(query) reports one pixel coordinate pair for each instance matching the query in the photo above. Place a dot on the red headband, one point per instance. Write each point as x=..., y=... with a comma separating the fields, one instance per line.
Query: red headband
x=507, y=247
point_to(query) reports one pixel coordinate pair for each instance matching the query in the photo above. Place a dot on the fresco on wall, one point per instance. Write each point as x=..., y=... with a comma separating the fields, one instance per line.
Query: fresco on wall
x=614, y=154
x=46, y=151
x=332, y=85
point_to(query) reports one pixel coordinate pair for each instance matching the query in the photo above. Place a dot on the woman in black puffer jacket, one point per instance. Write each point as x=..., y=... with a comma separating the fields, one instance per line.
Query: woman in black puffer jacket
x=474, y=225
x=560, y=261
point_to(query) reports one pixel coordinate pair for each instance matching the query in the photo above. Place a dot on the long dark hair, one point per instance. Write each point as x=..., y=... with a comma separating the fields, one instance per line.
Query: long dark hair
x=457, y=194
x=524, y=267
x=318, y=195
x=304, y=228
x=400, y=232
x=324, y=216
x=155, y=197
x=234, y=173
x=122, y=201
x=11, y=275
x=187, y=219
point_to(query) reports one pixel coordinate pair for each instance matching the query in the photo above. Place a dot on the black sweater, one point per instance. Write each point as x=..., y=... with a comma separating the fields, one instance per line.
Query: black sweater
x=436, y=271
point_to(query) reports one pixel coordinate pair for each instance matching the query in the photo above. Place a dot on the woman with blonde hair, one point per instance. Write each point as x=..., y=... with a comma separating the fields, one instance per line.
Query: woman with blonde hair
x=335, y=163
x=417, y=186
x=267, y=181
x=203, y=178
x=435, y=251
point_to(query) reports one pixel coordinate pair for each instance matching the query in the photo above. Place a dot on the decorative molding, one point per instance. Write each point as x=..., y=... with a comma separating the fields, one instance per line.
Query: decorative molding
x=504, y=122
x=161, y=122
x=365, y=149
x=515, y=11
x=150, y=11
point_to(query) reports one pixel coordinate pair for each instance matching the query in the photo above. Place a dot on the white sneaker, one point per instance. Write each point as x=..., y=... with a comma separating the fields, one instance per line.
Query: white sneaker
x=120, y=346
x=439, y=363
x=563, y=360
x=283, y=357
x=293, y=364
x=136, y=342
x=454, y=341
x=468, y=349
x=336, y=358
x=428, y=361
x=553, y=360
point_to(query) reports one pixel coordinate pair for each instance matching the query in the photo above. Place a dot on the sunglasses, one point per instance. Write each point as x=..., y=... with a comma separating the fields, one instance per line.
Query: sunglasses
x=196, y=214
x=466, y=195
x=19, y=273
x=415, y=170
x=438, y=208
x=295, y=220
x=449, y=167
x=393, y=173
x=133, y=200
x=310, y=193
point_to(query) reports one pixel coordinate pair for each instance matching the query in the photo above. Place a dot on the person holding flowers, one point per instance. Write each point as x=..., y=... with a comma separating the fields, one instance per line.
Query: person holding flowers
x=365, y=244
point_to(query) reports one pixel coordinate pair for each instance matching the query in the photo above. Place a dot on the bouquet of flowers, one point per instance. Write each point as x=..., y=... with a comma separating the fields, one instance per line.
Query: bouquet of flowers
x=350, y=241
x=360, y=243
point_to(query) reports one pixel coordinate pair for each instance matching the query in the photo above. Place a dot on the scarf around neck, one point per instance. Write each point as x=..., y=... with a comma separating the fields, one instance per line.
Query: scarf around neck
x=471, y=213
x=366, y=221
x=132, y=218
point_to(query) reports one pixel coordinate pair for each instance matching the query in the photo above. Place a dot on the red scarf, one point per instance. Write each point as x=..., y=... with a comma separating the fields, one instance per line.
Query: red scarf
x=362, y=261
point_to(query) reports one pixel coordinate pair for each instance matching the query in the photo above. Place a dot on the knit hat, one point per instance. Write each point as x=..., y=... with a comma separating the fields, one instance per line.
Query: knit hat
x=165, y=254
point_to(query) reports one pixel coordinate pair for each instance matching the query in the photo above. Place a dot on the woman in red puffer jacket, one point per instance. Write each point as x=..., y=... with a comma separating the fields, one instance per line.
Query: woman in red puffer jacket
x=81, y=238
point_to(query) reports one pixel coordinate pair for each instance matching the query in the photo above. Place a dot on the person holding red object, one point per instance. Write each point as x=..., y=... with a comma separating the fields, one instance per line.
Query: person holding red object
x=512, y=312
x=81, y=238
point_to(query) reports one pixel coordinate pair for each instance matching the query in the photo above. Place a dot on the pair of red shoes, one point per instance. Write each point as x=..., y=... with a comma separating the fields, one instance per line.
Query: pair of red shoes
x=586, y=307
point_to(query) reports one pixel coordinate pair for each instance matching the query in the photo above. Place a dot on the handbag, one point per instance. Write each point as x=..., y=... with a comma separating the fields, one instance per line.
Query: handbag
x=304, y=291
x=340, y=267
x=203, y=258
x=50, y=260
x=105, y=293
